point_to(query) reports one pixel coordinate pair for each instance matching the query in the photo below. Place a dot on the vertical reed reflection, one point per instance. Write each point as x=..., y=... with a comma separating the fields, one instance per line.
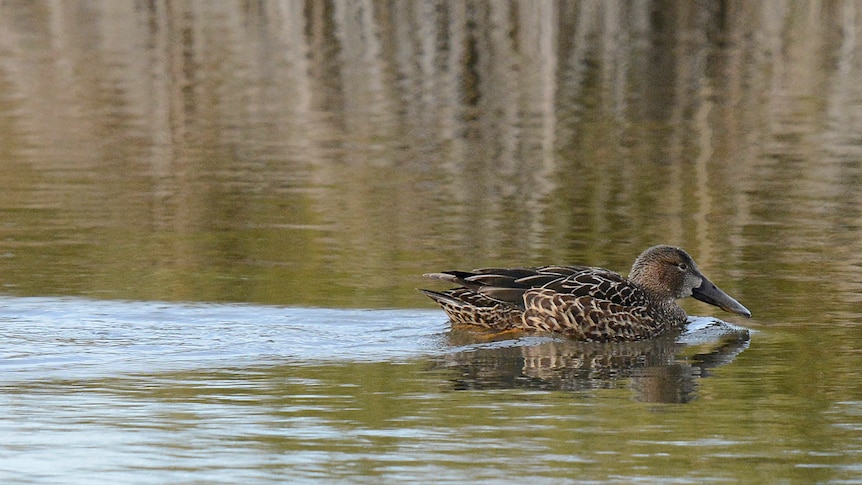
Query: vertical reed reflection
x=239, y=151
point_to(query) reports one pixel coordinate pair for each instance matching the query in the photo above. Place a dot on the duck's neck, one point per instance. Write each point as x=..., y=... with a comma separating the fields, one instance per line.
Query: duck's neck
x=672, y=313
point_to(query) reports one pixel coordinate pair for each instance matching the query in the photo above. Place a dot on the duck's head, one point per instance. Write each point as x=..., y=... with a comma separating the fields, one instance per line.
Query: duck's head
x=669, y=272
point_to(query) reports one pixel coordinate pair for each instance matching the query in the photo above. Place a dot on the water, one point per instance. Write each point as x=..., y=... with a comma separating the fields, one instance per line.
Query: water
x=214, y=218
x=145, y=391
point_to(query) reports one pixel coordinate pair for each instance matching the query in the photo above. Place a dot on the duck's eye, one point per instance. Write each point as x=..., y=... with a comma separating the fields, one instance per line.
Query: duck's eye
x=682, y=266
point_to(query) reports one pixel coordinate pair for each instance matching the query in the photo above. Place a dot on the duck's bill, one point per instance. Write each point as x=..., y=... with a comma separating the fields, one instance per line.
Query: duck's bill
x=707, y=292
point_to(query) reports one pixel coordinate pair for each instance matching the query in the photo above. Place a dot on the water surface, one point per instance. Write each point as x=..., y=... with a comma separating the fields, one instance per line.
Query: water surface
x=214, y=219
x=235, y=392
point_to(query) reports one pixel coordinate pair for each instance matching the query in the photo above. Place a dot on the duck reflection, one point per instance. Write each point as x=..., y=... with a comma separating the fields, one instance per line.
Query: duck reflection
x=661, y=370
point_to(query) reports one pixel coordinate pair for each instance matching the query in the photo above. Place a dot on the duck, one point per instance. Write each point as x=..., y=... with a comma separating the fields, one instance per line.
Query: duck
x=583, y=302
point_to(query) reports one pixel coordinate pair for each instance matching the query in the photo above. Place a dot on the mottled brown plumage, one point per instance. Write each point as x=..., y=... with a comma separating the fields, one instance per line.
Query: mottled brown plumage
x=583, y=302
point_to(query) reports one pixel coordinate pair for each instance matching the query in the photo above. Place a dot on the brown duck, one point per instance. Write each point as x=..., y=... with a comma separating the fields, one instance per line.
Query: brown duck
x=583, y=302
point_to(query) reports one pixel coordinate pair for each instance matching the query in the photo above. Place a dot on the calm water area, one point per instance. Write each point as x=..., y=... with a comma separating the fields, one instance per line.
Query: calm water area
x=214, y=217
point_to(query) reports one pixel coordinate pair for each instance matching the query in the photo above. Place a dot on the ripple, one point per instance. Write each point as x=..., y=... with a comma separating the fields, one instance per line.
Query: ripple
x=65, y=337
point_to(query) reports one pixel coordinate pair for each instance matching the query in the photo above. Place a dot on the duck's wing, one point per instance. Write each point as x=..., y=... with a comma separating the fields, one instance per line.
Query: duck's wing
x=602, y=285
x=509, y=285
x=504, y=285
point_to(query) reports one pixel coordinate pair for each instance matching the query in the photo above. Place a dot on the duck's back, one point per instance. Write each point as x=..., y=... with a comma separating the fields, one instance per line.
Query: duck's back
x=584, y=302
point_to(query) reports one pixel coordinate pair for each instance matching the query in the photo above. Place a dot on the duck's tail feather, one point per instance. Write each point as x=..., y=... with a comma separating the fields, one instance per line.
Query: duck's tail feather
x=468, y=307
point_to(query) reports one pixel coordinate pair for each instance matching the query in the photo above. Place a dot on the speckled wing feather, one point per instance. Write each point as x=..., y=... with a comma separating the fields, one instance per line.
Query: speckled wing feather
x=602, y=285
x=510, y=284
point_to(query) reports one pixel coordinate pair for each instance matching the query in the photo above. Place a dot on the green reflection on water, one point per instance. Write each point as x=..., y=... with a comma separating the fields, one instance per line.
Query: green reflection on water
x=404, y=419
x=320, y=167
